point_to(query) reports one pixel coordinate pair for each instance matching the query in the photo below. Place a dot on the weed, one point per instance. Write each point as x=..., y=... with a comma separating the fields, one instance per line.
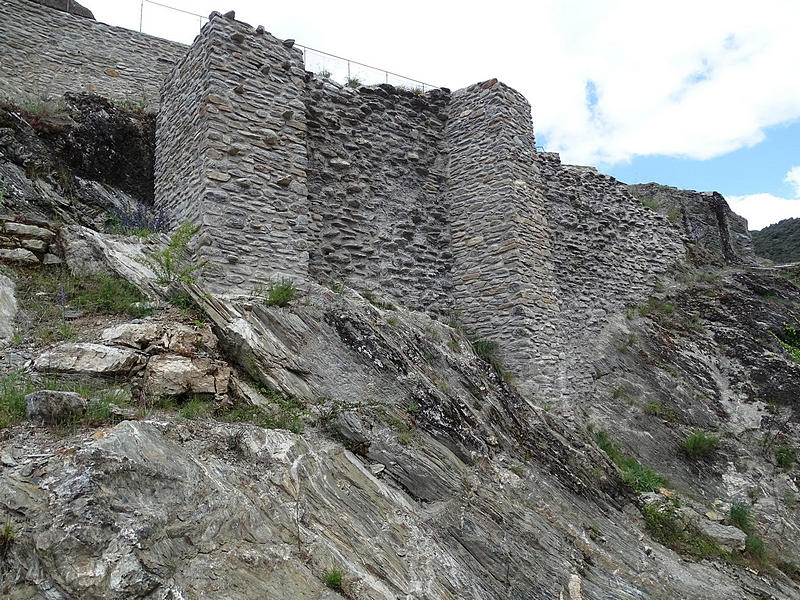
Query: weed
x=393, y=321
x=418, y=91
x=640, y=478
x=195, y=409
x=132, y=104
x=790, y=340
x=674, y=214
x=662, y=522
x=413, y=408
x=325, y=74
x=7, y=537
x=785, y=455
x=333, y=579
x=338, y=286
x=659, y=410
x=485, y=349
x=700, y=444
x=286, y=414
x=140, y=220
x=370, y=297
x=517, y=470
x=756, y=549
x=630, y=313
x=280, y=293
x=353, y=82
x=741, y=517
x=172, y=264
x=13, y=389
x=651, y=203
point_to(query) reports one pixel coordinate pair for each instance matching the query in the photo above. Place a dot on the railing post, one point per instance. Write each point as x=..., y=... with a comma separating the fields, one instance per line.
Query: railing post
x=141, y=15
x=348, y=71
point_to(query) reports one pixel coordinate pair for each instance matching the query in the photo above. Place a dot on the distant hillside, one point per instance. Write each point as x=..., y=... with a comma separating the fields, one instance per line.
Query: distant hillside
x=779, y=242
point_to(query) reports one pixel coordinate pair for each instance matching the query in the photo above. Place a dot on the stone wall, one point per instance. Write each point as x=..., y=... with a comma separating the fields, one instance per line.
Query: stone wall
x=503, y=283
x=47, y=52
x=705, y=217
x=608, y=252
x=231, y=154
x=376, y=182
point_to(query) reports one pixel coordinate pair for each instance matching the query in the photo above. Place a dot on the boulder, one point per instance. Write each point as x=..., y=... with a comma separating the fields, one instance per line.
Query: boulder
x=161, y=337
x=728, y=537
x=20, y=256
x=88, y=358
x=8, y=310
x=176, y=375
x=54, y=407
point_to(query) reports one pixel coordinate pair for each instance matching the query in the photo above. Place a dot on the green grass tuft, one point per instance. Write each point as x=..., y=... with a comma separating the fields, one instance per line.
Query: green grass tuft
x=700, y=444
x=638, y=477
x=280, y=293
x=333, y=579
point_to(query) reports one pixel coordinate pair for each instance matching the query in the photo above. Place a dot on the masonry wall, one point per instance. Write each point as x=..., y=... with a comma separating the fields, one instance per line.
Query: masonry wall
x=705, y=217
x=608, y=252
x=377, y=166
x=503, y=284
x=47, y=52
x=231, y=155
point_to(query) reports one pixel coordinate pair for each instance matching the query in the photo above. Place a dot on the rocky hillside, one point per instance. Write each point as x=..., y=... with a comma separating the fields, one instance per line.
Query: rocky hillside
x=313, y=442
x=779, y=242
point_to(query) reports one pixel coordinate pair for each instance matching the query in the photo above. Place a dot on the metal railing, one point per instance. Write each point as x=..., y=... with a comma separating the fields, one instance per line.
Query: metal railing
x=337, y=68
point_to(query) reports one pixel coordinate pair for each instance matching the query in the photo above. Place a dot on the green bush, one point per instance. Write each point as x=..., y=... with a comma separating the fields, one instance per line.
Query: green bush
x=662, y=523
x=785, y=455
x=353, y=82
x=485, y=349
x=172, y=264
x=13, y=389
x=280, y=293
x=660, y=410
x=7, y=537
x=756, y=549
x=651, y=203
x=741, y=517
x=333, y=579
x=700, y=444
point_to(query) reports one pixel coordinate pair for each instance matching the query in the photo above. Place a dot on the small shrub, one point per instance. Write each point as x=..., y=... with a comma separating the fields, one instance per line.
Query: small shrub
x=338, y=287
x=650, y=203
x=172, y=264
x=662, y=523
x=325, y=74
x=418, y=91
x=13, y=389
x=333, y=579
x=741, y=517
x=485, y=349
x=195, y=409
x=674, y=214
x=7, y=537
x=638, y=477
x=280, y=293
x=700, y=444
x=353, y=82
x=756, y=549
x=661, y=411
x=140, y=220
x=785, y=455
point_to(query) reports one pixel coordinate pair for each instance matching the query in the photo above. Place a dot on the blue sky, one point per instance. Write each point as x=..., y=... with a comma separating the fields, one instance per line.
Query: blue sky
x=700, y=95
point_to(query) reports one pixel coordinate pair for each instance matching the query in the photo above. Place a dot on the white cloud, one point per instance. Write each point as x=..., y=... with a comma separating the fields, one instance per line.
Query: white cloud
x=764, y=209
x=793, y=179
x=761, y=210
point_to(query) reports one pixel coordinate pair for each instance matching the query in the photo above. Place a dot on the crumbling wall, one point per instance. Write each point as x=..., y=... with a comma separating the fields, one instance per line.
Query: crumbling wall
x=231, y=154
x=608, y=252
x=376, y=183
x=47, y=52
x=705, y=217
x=503, y=283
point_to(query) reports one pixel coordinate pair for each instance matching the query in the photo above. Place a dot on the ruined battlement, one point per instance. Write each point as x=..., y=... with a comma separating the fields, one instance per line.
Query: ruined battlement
x=437, y=201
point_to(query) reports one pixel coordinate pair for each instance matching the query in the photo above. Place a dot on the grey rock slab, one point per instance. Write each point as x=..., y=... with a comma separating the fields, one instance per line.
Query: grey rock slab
x=8, y=310
x=88, y=358
x=54, y=407
x=18, y=255
x=174, y=375
x=728, y=537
